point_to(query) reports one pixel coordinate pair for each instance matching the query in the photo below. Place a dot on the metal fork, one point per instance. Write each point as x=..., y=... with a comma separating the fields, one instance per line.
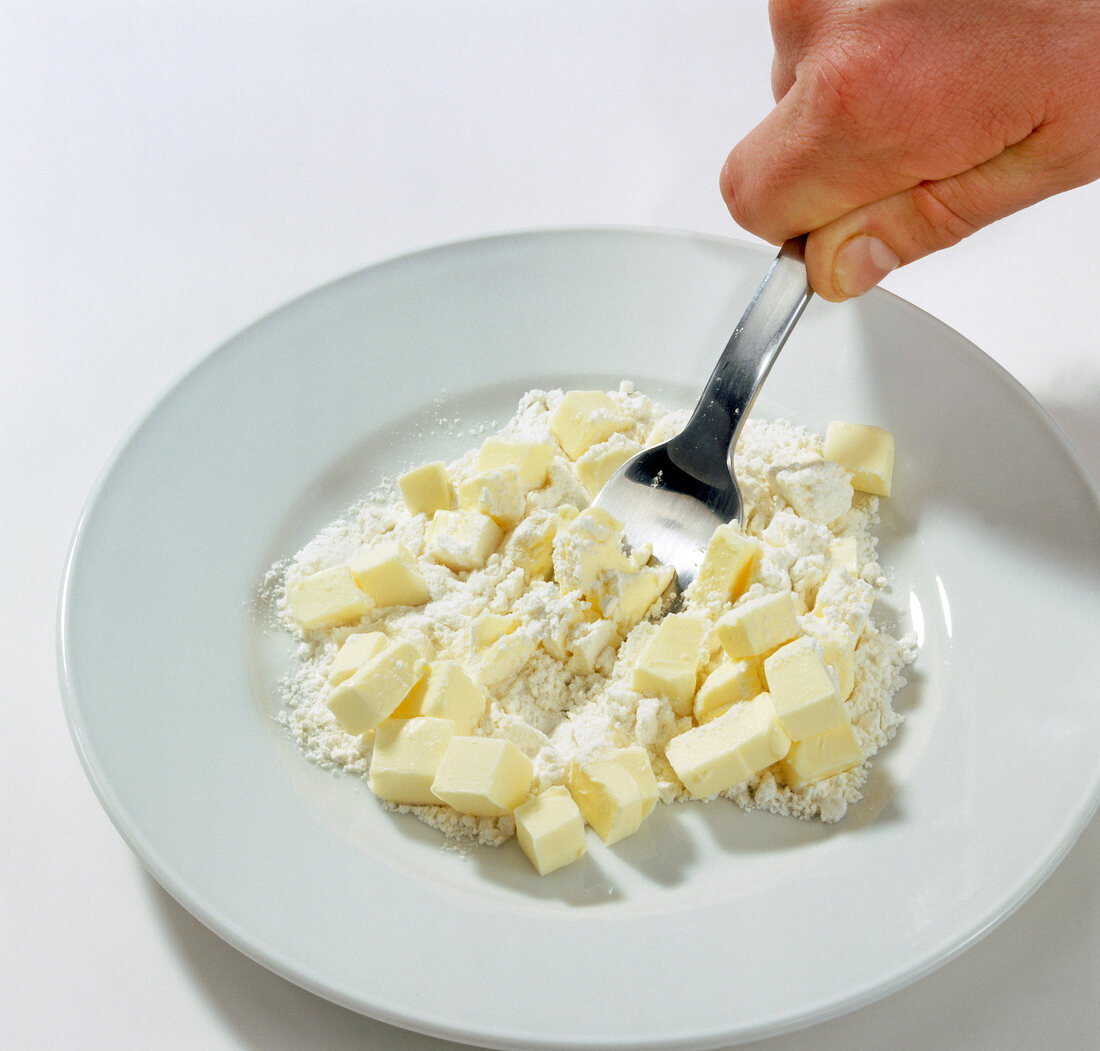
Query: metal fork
x=674, y=495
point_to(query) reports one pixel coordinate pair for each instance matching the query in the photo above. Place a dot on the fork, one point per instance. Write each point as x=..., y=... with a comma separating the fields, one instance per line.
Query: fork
x=674, y=495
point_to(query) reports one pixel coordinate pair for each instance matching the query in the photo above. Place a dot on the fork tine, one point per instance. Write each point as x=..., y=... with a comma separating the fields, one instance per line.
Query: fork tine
x=673, y=496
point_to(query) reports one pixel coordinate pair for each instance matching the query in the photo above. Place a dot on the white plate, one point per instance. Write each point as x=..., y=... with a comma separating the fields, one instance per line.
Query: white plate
x=710, y=925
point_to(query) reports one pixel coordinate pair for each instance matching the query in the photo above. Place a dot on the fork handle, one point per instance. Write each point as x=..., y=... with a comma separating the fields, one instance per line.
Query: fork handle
x=705, y=446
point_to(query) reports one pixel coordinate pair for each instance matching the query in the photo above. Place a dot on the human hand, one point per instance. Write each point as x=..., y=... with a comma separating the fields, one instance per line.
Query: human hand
x=902, y=126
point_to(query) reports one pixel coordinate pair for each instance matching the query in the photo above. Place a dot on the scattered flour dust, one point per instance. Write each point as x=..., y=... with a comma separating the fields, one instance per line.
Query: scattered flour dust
x=817, y=541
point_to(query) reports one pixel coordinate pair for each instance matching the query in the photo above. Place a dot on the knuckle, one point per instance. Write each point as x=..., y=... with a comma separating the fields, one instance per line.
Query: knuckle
x=751, y=214
x=861, y=86
x=737, y=193
x=843, y=80
x=945, y=215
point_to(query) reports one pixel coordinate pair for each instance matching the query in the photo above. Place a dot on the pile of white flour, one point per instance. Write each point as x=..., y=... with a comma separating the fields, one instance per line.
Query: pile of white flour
x=555, y=714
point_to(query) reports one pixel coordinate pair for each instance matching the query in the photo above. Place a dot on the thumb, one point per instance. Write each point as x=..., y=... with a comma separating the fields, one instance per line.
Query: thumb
x=850, y=255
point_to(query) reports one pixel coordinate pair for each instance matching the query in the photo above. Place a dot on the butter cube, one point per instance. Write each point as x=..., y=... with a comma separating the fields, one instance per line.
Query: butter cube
x=822, y=755
x=372, y=694
x=483, y=776
x=586, y=644
x=326, y=599
x=730, y=683
x=584, y=418
x=496, y=494
x=668, y=665
x=730, y=749
x=758, y=625
x=426, y=489
x=616, y=792
x=505, y=657
x=626, y=597
x=588, y=556
x=805, y=696
x=588, y=547
x=406, y=756
x=866, y=451
x=763, y=738
x=706, y=758
x=531, y=459
x=446, y=692
x=839, y=651
x=488, y=627
x=531, y=544
x=819, y=491
x=356, y=650
x=727, y=565
x=387, y=573
x=601, y=461
x=550, y=830
x=462, y=540
x=844, y=551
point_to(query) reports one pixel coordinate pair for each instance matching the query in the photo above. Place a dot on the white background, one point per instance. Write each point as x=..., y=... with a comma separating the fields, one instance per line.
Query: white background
x=168, y=173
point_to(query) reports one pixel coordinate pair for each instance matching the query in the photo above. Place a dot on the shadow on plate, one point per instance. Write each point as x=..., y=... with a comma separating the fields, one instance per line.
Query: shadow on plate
x=262, y=1010
x=759, y=832
x=1016, y=980
x=989, y=455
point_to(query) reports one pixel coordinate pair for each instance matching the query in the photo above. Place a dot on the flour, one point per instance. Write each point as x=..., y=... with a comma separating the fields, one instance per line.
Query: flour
x=571, y=696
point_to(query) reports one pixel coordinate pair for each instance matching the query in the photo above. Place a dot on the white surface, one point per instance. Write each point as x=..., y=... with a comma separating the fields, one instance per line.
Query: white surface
x=243, y=832
x=172, y=172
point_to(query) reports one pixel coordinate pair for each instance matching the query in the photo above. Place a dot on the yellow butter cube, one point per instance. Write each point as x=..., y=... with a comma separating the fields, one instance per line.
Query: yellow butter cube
x=588, y=556
x=626, y=597
x=550, y=830
x=822, y=755
x=730, y=683
x=446, y=692
x=839, y=652
x=387, y=573
x=615, y=791
x=483, y=776
x=763, y=737
x=372, y=693
x=531, y=544
x=406, y=756
x=588, y=547
x=758, y=625
x=505, y=657
x=601, y=461
x=805, y=697
x=866, y=451
x=426, y=489
x=586, y=644
x=730, y=749
x=844, y=551
x=668, y=665
x=326, y=599
x=706, y=759
x=584, y=418
x=488, y=627
x=727, y=565
x=496, y=494
x=530, y=459
x=356, y=650
x=462, y=540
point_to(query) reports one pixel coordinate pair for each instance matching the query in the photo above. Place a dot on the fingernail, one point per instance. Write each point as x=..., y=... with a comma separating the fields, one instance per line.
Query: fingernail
x=861, y=263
